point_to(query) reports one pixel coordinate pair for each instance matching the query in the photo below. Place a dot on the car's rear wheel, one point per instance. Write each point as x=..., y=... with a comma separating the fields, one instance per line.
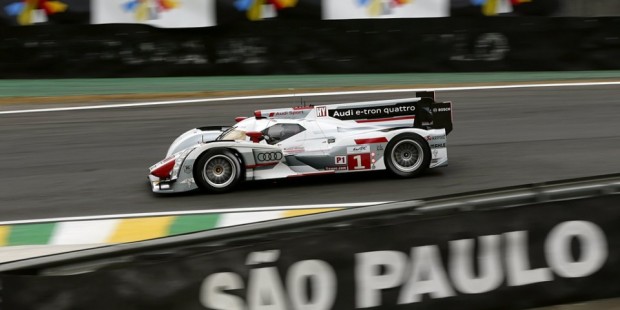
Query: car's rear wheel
x=217, y=171
x=407, y=155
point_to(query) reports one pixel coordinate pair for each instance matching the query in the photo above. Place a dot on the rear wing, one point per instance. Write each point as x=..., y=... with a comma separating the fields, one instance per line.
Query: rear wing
x=420, y=112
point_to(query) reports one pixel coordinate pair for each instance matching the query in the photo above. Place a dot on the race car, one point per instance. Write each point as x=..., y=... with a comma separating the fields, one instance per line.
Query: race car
x=402, y=136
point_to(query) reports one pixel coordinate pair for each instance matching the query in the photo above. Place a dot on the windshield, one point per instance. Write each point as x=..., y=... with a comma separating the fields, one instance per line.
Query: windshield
x=232, y=134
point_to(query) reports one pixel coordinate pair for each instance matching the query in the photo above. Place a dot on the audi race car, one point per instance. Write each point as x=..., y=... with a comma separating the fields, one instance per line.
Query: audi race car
x=402, y=136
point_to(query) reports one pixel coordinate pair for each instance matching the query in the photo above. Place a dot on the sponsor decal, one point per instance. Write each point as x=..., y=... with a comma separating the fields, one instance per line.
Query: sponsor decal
x=321, y=111
x=287, y=113
x=294, y=149
x=336, y=168
x=436, y=145
x=407, y=108
x=331, y=140
x=358, y=149
x=373, y=112
x=341, y=160
x=431, y=138
x=448, y=109
x=268, y=156
x=380, y=147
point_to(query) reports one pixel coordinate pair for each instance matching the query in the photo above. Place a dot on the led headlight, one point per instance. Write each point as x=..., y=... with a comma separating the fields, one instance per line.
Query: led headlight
x=179, y=158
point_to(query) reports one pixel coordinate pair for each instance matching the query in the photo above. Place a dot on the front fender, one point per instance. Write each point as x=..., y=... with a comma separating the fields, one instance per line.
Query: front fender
x=193, y=137
x=248, y=151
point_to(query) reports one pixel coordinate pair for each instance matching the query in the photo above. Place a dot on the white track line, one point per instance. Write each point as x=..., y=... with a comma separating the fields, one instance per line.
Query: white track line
x=362, y=92
x=193, y=212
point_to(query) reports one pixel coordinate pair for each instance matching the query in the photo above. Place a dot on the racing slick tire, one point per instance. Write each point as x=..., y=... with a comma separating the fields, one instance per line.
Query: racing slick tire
x=407, y=155
x=217, y=171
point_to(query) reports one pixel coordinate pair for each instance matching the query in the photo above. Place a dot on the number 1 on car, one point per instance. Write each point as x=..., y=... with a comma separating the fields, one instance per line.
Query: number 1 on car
x=359, y=161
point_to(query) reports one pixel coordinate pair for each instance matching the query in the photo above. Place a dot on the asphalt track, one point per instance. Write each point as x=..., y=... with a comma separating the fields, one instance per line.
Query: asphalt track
x=94, y=162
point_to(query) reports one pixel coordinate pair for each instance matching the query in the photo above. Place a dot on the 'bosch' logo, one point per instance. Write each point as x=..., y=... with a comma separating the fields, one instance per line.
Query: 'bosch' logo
x=271, y=156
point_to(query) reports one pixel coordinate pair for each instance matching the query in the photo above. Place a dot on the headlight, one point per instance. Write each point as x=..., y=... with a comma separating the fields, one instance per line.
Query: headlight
x=179, y=158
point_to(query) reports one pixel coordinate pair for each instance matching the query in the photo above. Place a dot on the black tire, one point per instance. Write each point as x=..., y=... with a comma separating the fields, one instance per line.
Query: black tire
x=407, y=155
x=217, y=171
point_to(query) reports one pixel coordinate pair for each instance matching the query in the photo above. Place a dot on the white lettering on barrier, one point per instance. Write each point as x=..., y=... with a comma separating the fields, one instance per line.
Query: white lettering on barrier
x=593, y=243
x=490, y=275
x=320, y=276
x=370, y=279
x=427, y=276
x=518, y=262
x=312, y=284
x=212, y=293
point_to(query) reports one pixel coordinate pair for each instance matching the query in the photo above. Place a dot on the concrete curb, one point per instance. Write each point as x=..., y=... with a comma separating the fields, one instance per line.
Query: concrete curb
x=107, y=231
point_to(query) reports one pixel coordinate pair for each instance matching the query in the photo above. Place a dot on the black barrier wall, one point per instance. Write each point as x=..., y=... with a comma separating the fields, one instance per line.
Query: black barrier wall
x=312, y=47
x=506, y=258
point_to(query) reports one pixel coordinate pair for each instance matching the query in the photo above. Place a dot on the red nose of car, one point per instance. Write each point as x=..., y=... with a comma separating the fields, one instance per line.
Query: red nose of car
x=164, y=168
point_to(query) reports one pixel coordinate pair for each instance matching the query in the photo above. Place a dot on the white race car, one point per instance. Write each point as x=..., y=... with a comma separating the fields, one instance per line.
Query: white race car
x=402, y=136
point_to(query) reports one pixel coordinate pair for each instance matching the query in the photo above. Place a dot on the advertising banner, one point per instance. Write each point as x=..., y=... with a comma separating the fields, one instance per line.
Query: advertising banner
x=509, y=258
x=361, y=9
x=159, y=13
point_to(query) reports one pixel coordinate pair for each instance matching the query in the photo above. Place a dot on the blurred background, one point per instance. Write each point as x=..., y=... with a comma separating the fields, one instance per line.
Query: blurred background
x=77, y=171
x=106, y=38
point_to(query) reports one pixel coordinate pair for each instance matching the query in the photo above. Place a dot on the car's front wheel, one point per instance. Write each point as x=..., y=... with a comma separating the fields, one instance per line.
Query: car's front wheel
x=217, y=171
x=407, y=155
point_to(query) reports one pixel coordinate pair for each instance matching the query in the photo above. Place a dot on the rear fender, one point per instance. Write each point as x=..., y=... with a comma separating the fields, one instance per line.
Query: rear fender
x=437, y=141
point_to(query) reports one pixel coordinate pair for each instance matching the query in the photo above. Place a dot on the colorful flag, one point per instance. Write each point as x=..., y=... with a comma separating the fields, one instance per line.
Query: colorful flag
x=256, y=9
x=28, y=12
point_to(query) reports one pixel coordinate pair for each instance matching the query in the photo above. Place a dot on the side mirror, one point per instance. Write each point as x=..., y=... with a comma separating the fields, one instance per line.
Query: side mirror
x=255, y=136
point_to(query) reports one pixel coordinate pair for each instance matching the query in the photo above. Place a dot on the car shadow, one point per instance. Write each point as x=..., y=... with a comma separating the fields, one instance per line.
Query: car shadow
x=309, y=182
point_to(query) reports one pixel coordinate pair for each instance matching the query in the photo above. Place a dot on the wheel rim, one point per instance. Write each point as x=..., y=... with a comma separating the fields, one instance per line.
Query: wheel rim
x=407, y=155
x=219, y=171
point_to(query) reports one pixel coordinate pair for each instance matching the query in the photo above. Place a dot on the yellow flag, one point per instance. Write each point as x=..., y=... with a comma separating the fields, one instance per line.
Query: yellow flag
x=490, y=7
x=25, y=17
x=375, y=8
x=255, y=12
x=142, y=12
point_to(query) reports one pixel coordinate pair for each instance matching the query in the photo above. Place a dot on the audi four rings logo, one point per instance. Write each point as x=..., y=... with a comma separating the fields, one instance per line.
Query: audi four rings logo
x=271, y=156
